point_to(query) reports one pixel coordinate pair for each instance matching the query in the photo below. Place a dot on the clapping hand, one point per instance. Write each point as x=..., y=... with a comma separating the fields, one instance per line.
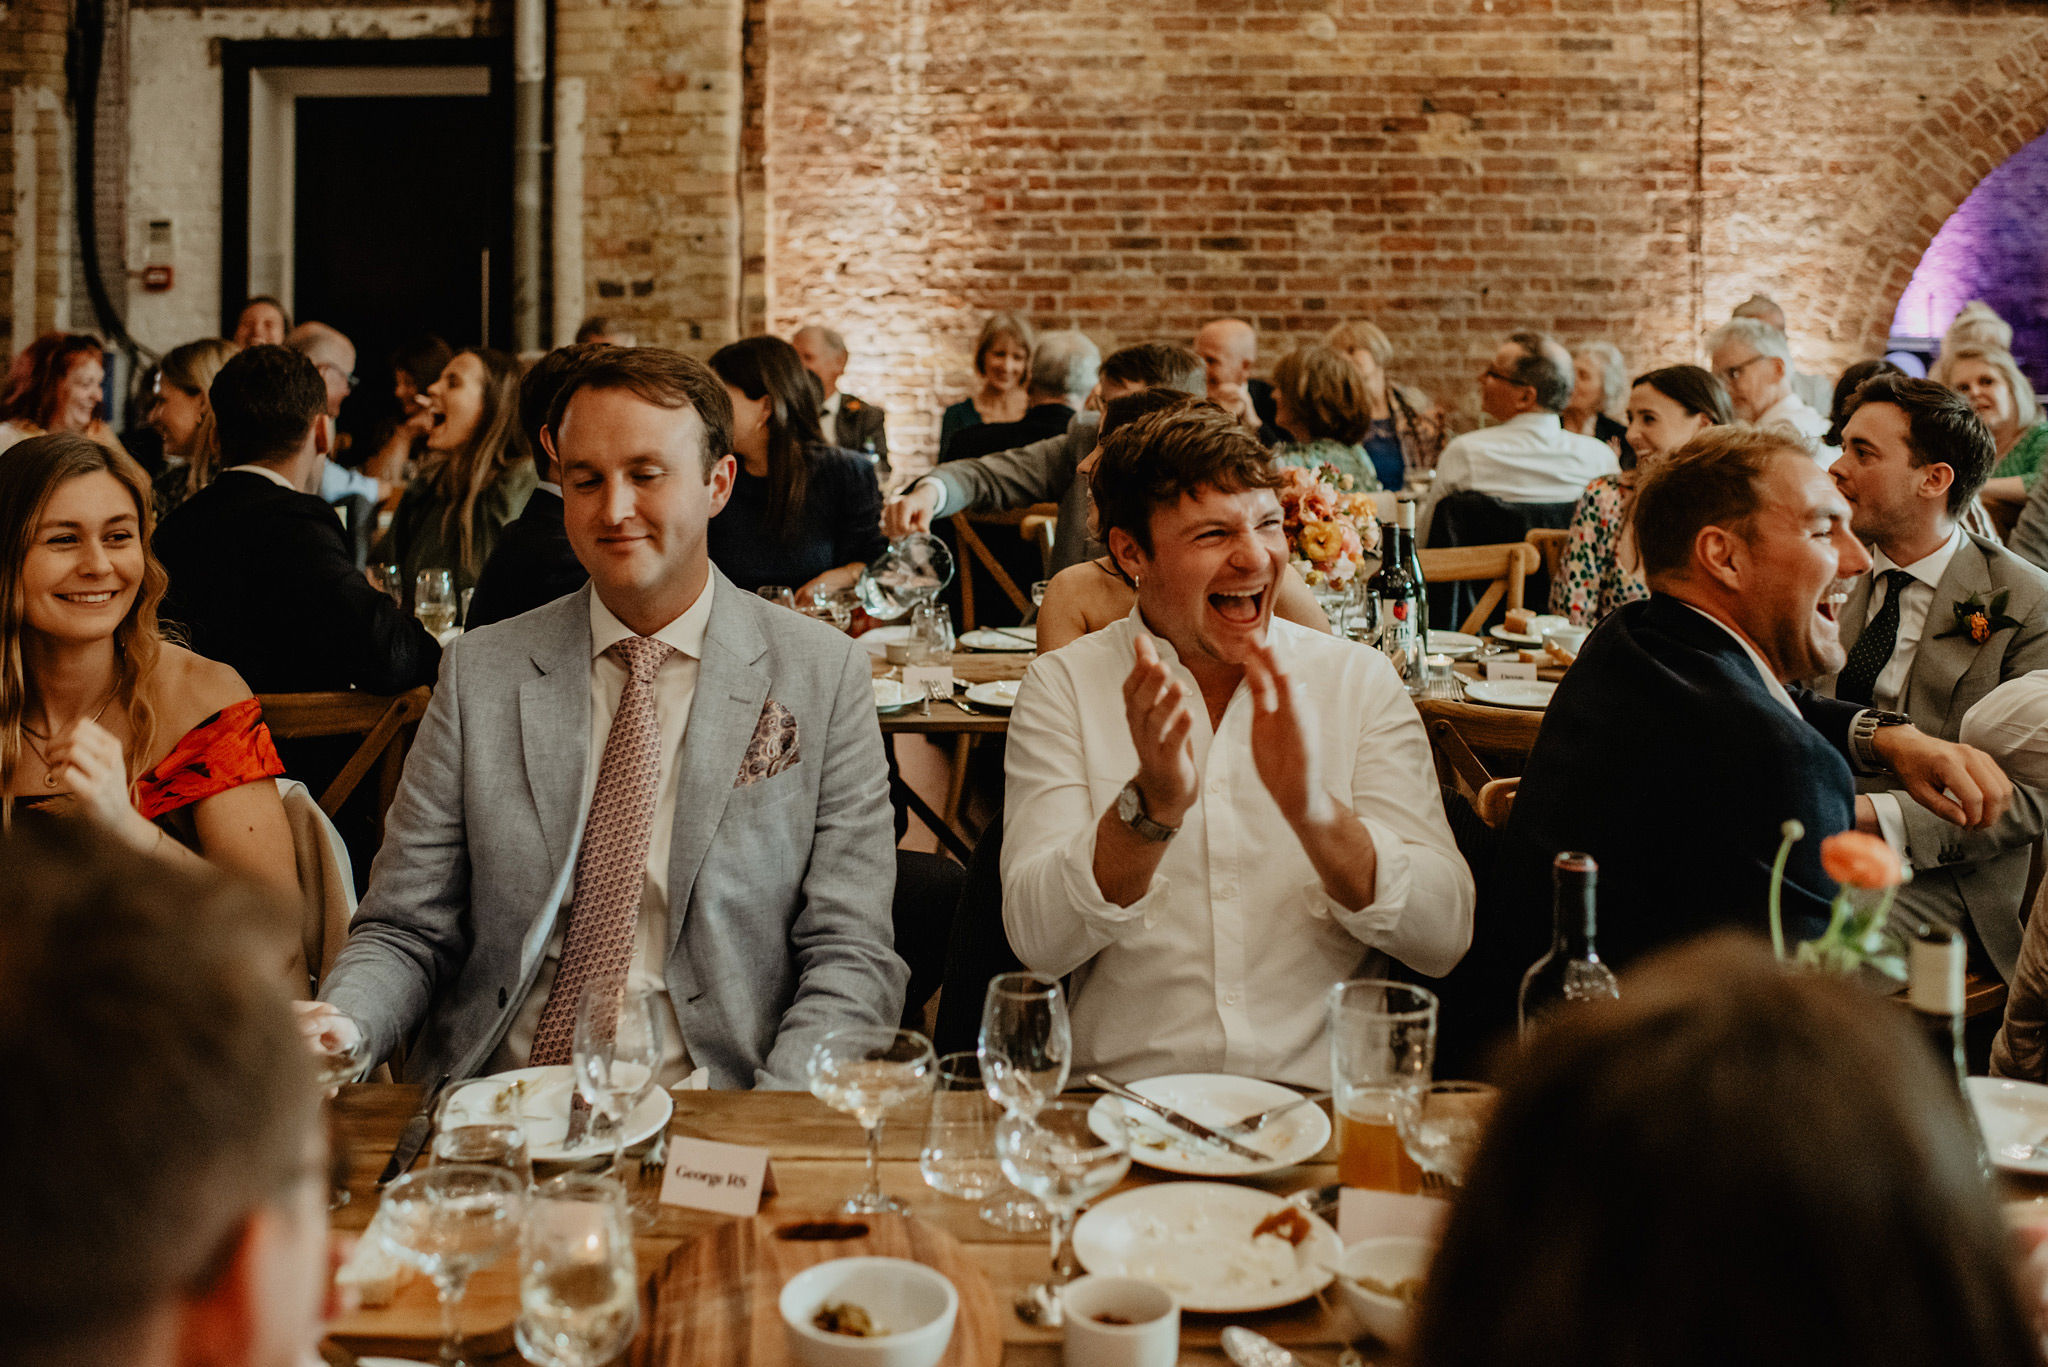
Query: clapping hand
x=1284, y=739
x=89, y=762
x=1161, y=716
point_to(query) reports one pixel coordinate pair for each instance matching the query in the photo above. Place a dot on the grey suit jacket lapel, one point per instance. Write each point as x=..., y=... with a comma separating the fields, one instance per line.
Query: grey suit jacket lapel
x=554, y=724
x=1939, y=664
x=731, y=687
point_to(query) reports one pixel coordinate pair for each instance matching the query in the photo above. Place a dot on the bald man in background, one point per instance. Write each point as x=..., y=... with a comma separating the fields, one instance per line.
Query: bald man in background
x=334, y=355
x=1229, y=349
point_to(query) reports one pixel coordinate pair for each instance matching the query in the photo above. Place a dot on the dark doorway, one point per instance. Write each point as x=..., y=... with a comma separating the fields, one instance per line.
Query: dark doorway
x=399, y=205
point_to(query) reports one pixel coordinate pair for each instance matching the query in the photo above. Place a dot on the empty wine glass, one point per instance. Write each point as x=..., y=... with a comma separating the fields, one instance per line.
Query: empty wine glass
x=1038, y=589
x=1066, y=1156
x=1026, y=1047
x=837, y=604
x=959, y=1153
x=579, y=1301
x=617, y=1052
x=449, y=1222
x=497, y=1144
x=433, y=601
x=864, y=1071
x=913, y=570
x=1441, y=1126
x=779, y=594
x=391, y=579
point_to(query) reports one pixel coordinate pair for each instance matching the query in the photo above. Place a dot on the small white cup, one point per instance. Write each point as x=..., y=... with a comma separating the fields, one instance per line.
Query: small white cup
x=1149, y=1336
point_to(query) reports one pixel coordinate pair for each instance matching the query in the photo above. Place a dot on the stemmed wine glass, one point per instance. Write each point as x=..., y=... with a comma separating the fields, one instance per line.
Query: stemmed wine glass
x=1441, y=1126
x=449, y=1221
x=579, y=1303
x=433, y=601
x=1026, y=1048
x=1066, y=1156
x=864, y=1071
x=617, y=1051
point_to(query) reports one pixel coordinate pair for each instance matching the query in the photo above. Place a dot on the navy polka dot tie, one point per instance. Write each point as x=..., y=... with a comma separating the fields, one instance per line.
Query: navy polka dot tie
x=1874, y=647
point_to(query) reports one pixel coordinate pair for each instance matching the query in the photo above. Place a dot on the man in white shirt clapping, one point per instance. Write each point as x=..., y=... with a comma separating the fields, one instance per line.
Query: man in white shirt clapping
x=1212, y=815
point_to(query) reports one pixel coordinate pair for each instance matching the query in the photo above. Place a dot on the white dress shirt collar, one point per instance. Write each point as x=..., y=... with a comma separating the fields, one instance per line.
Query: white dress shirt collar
x=1929, y=568
x=685, y=633
x=1538, y=421
x=264, y=470
x=1776, y=689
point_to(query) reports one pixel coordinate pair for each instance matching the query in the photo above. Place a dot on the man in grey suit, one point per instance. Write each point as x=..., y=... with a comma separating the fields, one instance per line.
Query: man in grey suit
x=1941, y=619
x=658, y=781
x=1043, y=472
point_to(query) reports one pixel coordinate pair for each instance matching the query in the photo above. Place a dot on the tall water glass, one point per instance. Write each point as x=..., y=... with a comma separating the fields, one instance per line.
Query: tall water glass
x=449, y=1222
x=1066, y=1156
x=617, y=1051
x=959, y=1153
x=1026, y=1048
x=864, y=1071
x=1382, y=1048
x=579, y=1301
x=433, y=601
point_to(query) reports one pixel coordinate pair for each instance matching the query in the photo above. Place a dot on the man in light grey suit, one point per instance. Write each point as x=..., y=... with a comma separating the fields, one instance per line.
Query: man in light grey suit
x=1043, y=472
x=658, y=779
x=1941, y=619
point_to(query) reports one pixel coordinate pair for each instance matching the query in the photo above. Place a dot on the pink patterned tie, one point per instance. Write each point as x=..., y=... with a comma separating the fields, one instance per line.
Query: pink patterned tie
x=611, y=866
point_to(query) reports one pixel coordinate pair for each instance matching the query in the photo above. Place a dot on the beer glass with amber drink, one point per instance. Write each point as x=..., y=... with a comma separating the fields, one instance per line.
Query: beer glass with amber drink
x=1382, y=1047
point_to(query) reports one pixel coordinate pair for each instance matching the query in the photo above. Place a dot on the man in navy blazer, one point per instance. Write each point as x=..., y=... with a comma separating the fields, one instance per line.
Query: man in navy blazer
x=1674, y=751
x=755, y=882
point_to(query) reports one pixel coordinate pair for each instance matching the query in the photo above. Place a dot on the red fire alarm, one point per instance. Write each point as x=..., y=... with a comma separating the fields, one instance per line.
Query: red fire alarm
x=157, y=256
x=156, y=278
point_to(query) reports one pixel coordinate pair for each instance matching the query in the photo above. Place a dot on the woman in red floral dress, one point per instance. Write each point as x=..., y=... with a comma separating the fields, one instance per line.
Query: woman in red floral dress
x=100, y=717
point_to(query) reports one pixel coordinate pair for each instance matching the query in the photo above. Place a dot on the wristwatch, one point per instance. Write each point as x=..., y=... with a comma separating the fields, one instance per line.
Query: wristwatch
x=1863, y=729
x=1130, y=809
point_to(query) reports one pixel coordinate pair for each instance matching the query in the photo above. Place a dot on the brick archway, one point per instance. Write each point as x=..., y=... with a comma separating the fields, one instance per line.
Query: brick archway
x=1938, y=162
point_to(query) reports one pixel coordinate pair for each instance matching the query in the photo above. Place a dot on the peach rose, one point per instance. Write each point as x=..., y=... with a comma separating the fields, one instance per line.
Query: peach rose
x=1322, y=541
x=1860, y=861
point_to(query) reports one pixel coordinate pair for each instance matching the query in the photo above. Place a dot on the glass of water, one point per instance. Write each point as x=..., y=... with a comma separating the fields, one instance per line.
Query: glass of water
x=864, y=1071
x=959, y=1154
x=449, y=1222
x=579, y=1302
x=499, y=1144
x=1441, y=1126
x=779, y=594
x=616, y=1053
x=1066, y=1156
x=433, y=601
x=1038, y=589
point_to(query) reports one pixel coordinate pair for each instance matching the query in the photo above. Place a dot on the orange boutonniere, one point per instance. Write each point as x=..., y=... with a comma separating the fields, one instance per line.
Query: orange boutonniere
x=850, y=405
x=1978, y=619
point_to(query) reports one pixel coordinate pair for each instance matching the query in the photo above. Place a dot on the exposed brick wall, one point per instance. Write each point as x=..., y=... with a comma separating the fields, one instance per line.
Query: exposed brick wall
x=32, y=37
x=1452, y=170
x=661, y=163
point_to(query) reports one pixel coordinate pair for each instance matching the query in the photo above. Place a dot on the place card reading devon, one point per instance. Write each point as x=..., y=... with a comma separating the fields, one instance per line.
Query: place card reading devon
x=726, y=1179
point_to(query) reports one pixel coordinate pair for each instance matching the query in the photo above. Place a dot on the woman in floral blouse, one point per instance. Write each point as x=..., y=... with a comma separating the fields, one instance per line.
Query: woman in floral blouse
x=1666, y=409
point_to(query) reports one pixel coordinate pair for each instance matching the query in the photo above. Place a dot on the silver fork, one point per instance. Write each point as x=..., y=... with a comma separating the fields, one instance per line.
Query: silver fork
x=1239, y=1129
x=934, y=691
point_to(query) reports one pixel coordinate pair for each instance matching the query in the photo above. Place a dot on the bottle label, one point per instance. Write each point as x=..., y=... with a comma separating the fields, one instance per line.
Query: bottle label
x=1397, y=626
x=1934, y=974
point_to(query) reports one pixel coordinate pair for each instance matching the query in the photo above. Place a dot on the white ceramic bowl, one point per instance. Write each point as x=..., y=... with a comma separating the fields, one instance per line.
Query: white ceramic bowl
x=915, y=1303
x=1567, y=638
x=1390, y=1259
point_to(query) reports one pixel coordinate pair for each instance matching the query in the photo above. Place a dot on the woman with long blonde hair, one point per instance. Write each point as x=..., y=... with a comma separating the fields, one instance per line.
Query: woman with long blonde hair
x=100, y=717
x=183, y=416
x=475, y=478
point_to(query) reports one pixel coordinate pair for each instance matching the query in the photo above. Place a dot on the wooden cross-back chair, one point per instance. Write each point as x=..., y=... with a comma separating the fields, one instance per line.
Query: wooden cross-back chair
x=1549, y=543
x=1034, y=524
x=1508, y=566
x=1475, y=746
x=386, y=725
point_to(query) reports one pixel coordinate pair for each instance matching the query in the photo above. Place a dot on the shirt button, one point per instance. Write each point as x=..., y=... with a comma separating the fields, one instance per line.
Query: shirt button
x=1226, y=890
x=1230, y=999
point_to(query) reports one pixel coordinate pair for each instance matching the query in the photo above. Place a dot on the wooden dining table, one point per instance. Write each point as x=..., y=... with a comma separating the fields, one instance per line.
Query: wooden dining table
x=818, y=1159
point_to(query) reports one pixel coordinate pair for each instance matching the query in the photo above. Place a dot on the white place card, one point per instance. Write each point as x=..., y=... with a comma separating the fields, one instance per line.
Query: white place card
x=1365, y=1214
x=726, y=1179
x=915, y=677
x=1497, y=670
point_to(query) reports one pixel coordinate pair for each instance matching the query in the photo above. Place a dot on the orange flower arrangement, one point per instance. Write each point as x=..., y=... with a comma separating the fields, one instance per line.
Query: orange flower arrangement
x=1870, y=874
x=1330, y=529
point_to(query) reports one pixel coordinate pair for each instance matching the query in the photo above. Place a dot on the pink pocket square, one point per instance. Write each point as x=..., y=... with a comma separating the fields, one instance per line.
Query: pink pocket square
x=773, y=748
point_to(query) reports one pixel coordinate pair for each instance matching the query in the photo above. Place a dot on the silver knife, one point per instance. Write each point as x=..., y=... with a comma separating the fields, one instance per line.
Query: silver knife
x=1177, y=1120
x=413, y=1137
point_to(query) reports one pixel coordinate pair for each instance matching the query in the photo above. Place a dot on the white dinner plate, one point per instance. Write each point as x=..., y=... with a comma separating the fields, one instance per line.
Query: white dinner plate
x=1195, y=1239
x=1001, y=693
x=893, y=695
x=1453, y=643
x=1533, y=636
x=1216, y=1100
x=1529, y=693
x=542, y=1098
x=1019, y=639
x=879, y=639
x=2012, y=1115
